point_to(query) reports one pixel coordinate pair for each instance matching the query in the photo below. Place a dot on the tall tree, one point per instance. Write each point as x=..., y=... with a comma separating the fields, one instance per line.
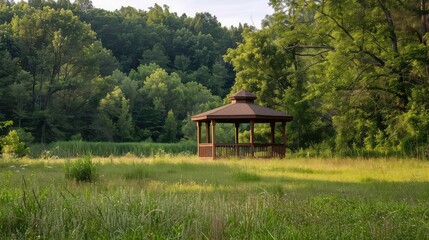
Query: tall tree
x=114, y=121
x=155, y=55
x=170, y=128
x=353, y=64
x=61, y=53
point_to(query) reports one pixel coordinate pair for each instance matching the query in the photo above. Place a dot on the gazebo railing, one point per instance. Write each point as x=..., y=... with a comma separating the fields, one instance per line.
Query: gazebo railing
x=233, y=150
x=242, y=150
x=205, y=150
x=279, y=150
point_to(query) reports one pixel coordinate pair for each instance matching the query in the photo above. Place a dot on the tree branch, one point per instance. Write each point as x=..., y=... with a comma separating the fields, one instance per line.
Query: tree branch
x=392, y=32
x=308, y=47
x=338, y=25
x=311, y=55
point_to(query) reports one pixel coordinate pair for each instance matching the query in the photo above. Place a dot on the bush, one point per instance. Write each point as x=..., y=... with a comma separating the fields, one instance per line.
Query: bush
x=81, y=170
x=11, y=145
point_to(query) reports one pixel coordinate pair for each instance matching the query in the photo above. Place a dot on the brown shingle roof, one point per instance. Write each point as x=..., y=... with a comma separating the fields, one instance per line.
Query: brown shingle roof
x=242, y=109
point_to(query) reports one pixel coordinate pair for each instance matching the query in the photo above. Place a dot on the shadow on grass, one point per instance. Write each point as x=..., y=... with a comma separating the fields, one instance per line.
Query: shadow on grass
x=232, y=179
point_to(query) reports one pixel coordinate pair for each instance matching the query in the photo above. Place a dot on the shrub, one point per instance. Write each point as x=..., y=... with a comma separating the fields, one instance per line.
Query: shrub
x=81, y=170
x=11, y=145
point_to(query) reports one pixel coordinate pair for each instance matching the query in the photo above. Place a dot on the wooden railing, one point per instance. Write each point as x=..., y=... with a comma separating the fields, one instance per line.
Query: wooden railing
x=205, y=150
x=242, y=150
x=279, y=150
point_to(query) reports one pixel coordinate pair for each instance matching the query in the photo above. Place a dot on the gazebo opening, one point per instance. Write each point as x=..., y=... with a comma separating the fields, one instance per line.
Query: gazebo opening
x=241, y=110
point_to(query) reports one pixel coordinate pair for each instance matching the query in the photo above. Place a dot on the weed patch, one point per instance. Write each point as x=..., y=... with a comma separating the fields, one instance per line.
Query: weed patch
x=81, y=170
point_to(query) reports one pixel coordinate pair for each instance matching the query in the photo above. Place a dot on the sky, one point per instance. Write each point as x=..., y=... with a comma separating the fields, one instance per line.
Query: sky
x=228, y=12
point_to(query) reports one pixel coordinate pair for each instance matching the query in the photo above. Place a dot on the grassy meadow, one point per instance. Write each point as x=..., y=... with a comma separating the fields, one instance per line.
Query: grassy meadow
x=182, y=197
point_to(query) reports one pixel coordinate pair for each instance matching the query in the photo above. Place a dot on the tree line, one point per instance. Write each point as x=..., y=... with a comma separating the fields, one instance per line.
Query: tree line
x=71, y=71
x=355, y=74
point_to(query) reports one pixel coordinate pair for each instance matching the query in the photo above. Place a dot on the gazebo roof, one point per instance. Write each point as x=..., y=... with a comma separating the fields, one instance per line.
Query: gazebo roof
x=242, y=109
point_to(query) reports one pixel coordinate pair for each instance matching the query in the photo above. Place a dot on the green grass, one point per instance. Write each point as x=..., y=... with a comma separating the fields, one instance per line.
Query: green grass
x=184, y=197
x=247, y=176
x=81, y=170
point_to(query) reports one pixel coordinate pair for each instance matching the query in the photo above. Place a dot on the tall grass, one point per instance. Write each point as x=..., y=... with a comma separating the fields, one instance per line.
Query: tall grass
x=181, y=198
x=104, y=149
x=125, y=214
x=70, y=149
x=420, y=152
x=81, y=170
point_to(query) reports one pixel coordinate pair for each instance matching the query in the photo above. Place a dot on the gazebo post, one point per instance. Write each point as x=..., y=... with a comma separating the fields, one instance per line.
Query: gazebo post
x=214, y=139
x=252, y=138
x=272, y=125
x=198, y=137
x=237, y=148
x=207, y=132
x=284, y=137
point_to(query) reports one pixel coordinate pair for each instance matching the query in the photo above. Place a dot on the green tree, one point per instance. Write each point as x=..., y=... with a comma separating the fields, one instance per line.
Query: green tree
x=155, y=55
x=202, y=75
x=217, y=82
x=84, y=5
x=62, y=56
x=170, y=128
x=181, y=63
x=8, y=72
x=352, y=63
x=143, y=71
x=164, y=90
x=114, y=121
x=125, y=122
x=56, y=66
x=20, y=96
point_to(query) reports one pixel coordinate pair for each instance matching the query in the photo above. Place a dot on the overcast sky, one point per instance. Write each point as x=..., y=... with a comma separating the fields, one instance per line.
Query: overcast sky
x=228, y=12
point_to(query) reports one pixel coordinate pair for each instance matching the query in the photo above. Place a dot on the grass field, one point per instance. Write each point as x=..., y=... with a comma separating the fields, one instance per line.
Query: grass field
x=183, y=197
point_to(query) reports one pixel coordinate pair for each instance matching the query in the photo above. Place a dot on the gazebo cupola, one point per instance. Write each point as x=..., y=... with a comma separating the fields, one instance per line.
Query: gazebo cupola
x=242, y=109
x=243, y=97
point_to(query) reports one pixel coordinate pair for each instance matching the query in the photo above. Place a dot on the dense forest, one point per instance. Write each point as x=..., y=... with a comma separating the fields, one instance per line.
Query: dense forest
x=353, y=73
x=71, y=71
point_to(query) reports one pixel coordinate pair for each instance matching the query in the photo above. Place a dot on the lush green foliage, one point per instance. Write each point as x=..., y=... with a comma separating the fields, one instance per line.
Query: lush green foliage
x=81, y=170
x=71, y=71
x=147, y=198
x=13, y=144
x=354, y=74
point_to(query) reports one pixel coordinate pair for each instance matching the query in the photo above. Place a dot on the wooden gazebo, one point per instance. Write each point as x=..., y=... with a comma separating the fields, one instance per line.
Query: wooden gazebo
x=242, y=109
